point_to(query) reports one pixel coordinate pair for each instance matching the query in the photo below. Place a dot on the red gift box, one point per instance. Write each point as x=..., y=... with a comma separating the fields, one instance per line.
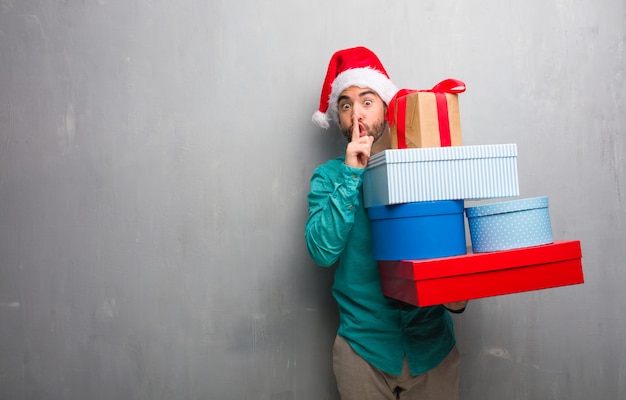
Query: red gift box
x=478, y=275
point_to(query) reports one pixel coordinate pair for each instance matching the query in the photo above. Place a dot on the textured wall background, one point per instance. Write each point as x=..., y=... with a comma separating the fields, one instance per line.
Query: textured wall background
x=154, y=167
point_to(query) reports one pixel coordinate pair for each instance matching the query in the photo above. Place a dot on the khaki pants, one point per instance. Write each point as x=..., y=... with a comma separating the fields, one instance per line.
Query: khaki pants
x=358, y=380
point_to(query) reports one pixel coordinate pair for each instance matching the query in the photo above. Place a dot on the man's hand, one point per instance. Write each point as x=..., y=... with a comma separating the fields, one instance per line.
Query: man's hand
x=456, y=306
x=359, y=148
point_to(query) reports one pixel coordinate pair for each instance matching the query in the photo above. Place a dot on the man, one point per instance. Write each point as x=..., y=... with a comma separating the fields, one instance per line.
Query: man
x=384, y=349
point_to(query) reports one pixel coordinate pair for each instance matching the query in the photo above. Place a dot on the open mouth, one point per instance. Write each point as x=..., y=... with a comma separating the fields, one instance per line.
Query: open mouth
x=362, y=131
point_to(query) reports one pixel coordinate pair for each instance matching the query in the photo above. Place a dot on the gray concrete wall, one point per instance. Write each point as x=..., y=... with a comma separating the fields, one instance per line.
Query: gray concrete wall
x=154, y=166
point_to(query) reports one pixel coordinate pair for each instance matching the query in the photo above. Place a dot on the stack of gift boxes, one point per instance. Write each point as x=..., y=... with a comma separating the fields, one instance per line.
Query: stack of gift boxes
x=415, y=198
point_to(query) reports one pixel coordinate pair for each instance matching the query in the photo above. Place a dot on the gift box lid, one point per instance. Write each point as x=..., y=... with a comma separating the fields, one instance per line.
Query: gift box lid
x=417, y=209
x=472, y=263
x=396, y=156
x=507, y=206
x=565, y=268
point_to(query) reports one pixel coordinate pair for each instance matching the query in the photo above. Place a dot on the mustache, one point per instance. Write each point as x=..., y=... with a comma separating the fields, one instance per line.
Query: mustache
x=375, y=131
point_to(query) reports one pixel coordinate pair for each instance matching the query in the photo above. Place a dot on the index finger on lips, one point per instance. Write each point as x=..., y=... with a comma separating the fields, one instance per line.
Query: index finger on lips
x=355, y=128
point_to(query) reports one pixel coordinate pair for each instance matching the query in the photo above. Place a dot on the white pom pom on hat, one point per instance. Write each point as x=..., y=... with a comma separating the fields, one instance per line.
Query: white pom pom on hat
x=357, y=66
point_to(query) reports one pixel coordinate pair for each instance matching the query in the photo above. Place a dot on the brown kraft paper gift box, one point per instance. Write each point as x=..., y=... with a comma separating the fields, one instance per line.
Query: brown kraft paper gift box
x=422, y=120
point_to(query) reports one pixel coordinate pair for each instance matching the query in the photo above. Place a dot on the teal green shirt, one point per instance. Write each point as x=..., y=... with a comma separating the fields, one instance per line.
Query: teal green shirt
x=381, y=330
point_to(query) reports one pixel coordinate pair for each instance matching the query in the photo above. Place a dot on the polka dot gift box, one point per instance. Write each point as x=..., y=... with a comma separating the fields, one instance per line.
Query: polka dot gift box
x=509, y=225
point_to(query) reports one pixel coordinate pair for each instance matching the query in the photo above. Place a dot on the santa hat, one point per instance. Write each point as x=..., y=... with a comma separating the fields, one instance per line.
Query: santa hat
x=357, y=66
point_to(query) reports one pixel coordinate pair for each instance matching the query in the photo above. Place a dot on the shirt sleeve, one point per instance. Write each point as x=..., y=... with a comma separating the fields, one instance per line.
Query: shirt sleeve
x=333, y=201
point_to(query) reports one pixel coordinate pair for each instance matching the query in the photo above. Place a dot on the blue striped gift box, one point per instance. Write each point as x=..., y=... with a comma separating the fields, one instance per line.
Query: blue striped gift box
x=441, y=173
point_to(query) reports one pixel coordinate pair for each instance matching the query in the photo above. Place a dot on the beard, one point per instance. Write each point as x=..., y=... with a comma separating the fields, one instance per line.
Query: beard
x=376, y=131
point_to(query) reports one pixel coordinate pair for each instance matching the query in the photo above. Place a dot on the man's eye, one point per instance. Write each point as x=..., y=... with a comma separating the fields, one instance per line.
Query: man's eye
x=345, y=106
x=368, y=102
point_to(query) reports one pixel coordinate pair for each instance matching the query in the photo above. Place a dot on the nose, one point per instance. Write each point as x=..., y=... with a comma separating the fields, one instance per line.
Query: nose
x=356, y=110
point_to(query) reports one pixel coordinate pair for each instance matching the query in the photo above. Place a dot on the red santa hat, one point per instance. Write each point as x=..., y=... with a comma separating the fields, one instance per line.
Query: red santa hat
x=357, y=66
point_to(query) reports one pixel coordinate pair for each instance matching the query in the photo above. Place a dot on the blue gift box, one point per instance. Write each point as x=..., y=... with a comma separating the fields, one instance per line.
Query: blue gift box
x=509, y=225
x=421, y=230
x=479, y=172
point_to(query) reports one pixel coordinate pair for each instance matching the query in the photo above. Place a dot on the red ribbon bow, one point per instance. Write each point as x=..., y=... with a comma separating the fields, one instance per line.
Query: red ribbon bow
x=446, y=86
